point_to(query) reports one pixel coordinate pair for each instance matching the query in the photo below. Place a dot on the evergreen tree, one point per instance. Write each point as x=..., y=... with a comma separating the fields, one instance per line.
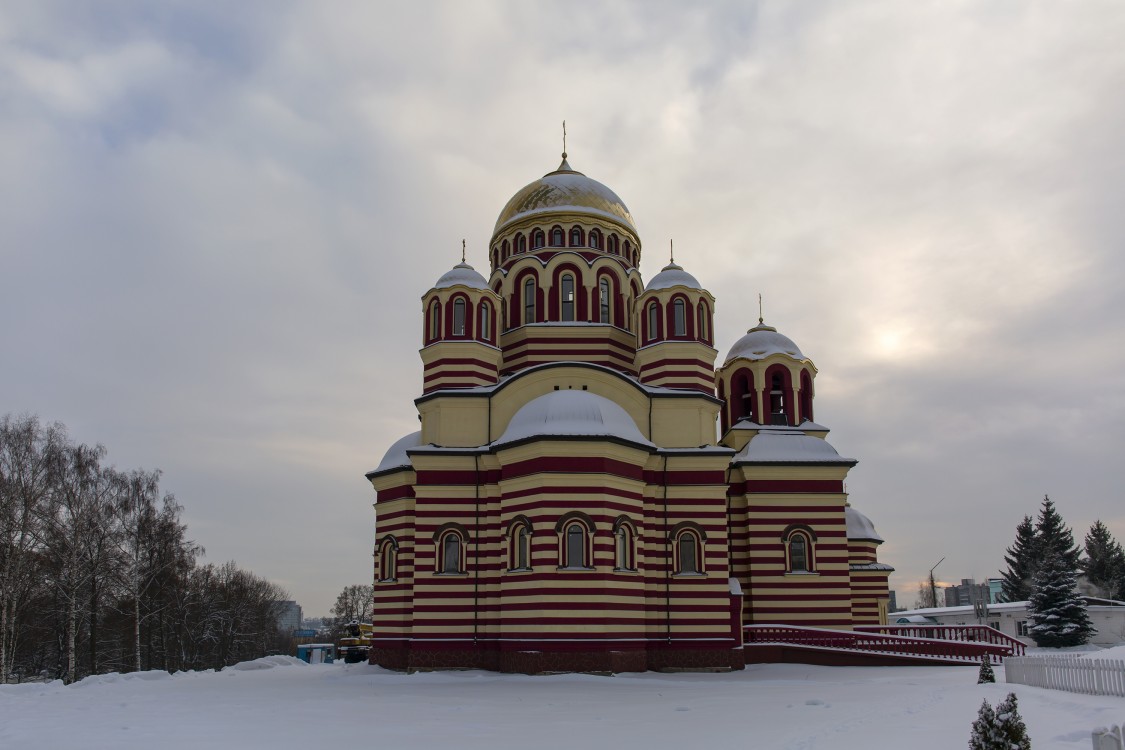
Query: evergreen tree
x=1057, y=614
x=999, y=729
x=1021, y=559
x=1104, y=564
x=986, y=674
x=1052, y=534
x=1010, y=726
x=985, y=736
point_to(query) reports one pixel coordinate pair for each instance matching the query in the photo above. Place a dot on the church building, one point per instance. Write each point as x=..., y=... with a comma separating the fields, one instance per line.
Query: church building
x=591, y=489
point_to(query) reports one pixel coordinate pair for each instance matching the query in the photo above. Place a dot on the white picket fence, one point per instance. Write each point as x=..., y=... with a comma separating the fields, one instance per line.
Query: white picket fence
x=1073, y=673
x=1111, y=738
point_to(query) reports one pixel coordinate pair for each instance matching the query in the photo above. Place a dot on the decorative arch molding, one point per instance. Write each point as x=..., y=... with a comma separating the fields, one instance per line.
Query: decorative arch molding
x=516, y=523
x=798, y=527
x=575, y=515
x=451, y=526
x=683, y=526
x=518, y=537
x=386, y=552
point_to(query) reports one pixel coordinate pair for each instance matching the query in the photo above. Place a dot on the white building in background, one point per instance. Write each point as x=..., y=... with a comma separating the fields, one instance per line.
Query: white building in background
x=1012, y=618
x=288, y=616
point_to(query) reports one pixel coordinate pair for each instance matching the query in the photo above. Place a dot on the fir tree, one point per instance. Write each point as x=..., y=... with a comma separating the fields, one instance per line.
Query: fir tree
x=999, y=729
x=1057, y=614
x=1104, y=564
x=986, y=674
x=1052, y=534
x=1010, y=726
x=1021, y=559
x=985, y=736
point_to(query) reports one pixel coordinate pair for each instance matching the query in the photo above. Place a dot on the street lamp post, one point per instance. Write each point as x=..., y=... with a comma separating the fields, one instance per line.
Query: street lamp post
x=933, y=585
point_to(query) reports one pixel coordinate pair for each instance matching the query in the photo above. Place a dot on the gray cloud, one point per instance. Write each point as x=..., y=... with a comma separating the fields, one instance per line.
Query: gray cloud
x=220, y=220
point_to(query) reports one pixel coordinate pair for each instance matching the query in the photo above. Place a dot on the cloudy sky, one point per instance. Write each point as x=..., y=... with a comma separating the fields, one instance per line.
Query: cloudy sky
x=218, y=219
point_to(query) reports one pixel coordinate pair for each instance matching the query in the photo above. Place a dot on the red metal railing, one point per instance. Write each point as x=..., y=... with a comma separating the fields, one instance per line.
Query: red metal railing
x=970, y=633
x=953, y=650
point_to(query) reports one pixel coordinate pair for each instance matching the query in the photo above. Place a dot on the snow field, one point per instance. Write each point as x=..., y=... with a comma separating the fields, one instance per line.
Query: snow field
x=279, y=702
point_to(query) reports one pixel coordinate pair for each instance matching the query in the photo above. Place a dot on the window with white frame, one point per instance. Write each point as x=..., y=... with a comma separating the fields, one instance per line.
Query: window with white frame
x=800, y=549
x=688, y=540
x=450, y=549
x=575, y=549
x=519, y=544
x=567, y=297
x=388, y=560
x=458, y=317
x=624, y=545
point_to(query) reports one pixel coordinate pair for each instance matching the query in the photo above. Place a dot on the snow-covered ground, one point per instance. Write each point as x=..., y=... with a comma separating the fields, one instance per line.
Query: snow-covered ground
x=279, y=702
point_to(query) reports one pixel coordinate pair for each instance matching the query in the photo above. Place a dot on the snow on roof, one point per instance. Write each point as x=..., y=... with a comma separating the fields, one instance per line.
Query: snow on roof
x=1091, y=602
x=461, y=274
x=787, y=446
x=762, y=341
x=564, y=189
x=672, y=275
x=807, y=426
x=396, y=454
x=860, y=526
x=572, y=413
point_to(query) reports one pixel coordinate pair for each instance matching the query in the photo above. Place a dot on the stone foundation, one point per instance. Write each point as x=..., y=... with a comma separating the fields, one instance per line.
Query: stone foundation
x=547, y=658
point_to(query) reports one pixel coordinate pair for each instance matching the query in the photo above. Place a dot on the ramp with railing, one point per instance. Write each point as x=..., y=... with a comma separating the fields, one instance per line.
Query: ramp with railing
x=790, y=643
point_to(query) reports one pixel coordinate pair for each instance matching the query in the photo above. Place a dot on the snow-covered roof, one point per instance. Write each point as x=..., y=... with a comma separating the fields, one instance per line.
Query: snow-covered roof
x=396, y=455
x=807, y=426
x=565, y=190
x=461, y=274
x=860, y=526
x=788, y=446
x=762, y=341
x=572, y=413
x=672, y=275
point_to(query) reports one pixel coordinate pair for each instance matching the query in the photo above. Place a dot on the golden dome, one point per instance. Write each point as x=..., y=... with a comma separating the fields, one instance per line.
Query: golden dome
x=565, y=190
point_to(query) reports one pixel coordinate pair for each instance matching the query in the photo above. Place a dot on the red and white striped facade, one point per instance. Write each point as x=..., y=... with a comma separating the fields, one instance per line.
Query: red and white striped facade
x=567, y=504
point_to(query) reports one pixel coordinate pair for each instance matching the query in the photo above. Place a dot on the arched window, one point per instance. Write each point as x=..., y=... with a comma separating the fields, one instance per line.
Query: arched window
x=800, y=549
x=435, y=321
x=779, y=399
x=521, y=243
x=627, y=252
x=574, y=530
x=485, y=326
x=743, y=399
x=450, y=549
x=537, y=239
x=575, y=237
x=806, y=396
x=519, y=544
x=567, y=297
x=798, y=554
x=495, y=257
x=703, y=321
x=687, y=539
x=458, y=317
x=557, y=239
x=604, y=301
x=575, y=546
x=679, y=318
x=388, y=560
x=529, y=301
x=624, y=545
x=688, y=557
x=595, y=239
x=505, y=251
x=612, y=247
x=653, y=321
